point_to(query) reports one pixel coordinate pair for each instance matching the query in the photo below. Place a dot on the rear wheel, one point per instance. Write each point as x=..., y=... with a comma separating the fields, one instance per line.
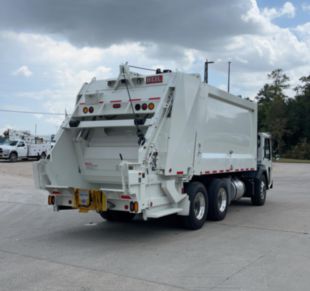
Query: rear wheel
x=119, y=216
x=43, y=155
x=198, y=206
x=218, y=196
x=13, y=157
x=260, y=191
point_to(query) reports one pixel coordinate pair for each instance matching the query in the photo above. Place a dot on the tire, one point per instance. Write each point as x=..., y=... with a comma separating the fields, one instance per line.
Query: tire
x=198, y=209
x=117, y=216
x=218, y=199
x=13, y=157
x=43, y=155
x=260, y=191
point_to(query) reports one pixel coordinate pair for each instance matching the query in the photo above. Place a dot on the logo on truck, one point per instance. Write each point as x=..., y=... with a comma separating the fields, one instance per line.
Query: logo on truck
x=154, y=79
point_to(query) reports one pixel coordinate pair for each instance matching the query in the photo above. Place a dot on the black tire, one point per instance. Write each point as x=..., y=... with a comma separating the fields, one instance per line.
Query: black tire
x=218, y=199
x=43, y=155
x=13, y=157
x=260, y=191
x=198, y=209
x=117, y=216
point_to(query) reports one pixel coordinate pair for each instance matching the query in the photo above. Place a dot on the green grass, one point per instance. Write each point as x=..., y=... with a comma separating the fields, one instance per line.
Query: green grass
x=292, y=161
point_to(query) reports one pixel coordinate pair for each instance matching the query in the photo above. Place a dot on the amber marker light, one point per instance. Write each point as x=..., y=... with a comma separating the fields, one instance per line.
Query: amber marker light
x=151, y=106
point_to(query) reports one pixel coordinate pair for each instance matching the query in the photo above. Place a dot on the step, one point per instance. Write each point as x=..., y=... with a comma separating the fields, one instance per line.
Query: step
x=163, y=212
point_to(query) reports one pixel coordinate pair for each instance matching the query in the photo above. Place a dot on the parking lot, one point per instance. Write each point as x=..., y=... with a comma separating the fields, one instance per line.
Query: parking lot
x=254, y=248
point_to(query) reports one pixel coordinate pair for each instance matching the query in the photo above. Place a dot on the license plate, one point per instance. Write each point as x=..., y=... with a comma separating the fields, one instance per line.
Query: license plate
x=84, y=197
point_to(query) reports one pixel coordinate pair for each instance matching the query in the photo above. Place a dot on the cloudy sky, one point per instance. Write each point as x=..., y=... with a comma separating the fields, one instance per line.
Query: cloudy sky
x=49, y=48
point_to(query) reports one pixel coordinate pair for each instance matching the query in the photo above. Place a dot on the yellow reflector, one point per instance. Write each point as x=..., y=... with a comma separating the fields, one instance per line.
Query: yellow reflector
x=151, y=106
x=85, y=109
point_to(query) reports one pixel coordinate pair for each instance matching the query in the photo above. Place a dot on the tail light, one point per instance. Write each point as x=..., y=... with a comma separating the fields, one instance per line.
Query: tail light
x=117, y=105
x=134, y=206
x=51, y=200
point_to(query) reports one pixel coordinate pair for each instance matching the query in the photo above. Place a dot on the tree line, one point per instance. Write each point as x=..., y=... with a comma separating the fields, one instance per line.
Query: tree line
x=286, y=118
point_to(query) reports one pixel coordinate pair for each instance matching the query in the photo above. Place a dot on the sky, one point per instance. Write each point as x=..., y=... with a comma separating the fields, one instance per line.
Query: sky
x=49, y=48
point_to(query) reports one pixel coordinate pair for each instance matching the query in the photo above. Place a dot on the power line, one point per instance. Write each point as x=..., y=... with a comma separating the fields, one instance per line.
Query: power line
x=30, y=112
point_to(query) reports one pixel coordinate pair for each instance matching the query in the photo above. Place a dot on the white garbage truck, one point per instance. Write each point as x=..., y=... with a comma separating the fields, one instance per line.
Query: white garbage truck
x=157, y=145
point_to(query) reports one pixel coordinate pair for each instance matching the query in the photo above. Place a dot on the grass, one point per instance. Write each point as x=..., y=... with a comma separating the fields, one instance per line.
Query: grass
x=292, y=161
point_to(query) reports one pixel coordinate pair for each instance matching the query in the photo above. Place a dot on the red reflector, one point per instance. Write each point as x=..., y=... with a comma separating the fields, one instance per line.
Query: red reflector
x=144, y=106
x=56, y=193
x=91, y=109
x=180, y=172
x=117, y=105
x=127, y=197
x=154, y=98
x=154, y=79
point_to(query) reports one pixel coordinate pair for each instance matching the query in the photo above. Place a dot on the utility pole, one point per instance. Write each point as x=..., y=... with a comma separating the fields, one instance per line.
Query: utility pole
x=228, y=82
x=35, y=133
x=206, y=76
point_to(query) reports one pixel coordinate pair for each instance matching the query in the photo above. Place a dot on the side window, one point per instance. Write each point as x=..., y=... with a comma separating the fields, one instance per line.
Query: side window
x=267, y=153
x=21, y=144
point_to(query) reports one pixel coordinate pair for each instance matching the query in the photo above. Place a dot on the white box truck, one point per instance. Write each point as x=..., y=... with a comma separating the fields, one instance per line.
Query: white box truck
x=157, y=145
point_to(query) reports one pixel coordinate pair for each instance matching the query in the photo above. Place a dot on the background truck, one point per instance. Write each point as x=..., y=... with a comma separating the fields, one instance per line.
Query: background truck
x=157, y=145
x=14, y=150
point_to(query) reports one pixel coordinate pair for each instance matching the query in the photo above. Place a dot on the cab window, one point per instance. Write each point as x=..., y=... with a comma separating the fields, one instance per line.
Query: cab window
x=267, y=152
x=21, y=144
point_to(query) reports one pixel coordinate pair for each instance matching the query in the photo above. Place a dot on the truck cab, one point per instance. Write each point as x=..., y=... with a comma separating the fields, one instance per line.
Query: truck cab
x=264, y=156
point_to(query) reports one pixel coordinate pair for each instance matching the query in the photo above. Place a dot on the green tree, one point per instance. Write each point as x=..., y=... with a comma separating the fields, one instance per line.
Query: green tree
x=298, y=138
x=272, y=108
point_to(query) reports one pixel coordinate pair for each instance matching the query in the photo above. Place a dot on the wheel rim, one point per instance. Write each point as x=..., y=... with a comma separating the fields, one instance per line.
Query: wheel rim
x=199, y=205
x=262, y=190
x=222, y=200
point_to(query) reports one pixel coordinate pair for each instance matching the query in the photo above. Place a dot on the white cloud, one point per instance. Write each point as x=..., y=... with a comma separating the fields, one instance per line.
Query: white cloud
x=22, y=71
x=288, y=10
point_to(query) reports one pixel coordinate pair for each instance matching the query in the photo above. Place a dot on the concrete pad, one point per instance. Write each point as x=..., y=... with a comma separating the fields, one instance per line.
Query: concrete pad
x=254, y=248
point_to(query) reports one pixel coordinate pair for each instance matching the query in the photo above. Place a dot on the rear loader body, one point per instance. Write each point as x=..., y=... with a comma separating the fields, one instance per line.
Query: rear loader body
x=156, y=145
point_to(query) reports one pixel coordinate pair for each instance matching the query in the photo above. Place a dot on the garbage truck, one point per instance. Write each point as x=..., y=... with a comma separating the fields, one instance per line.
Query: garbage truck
x=157, y=145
